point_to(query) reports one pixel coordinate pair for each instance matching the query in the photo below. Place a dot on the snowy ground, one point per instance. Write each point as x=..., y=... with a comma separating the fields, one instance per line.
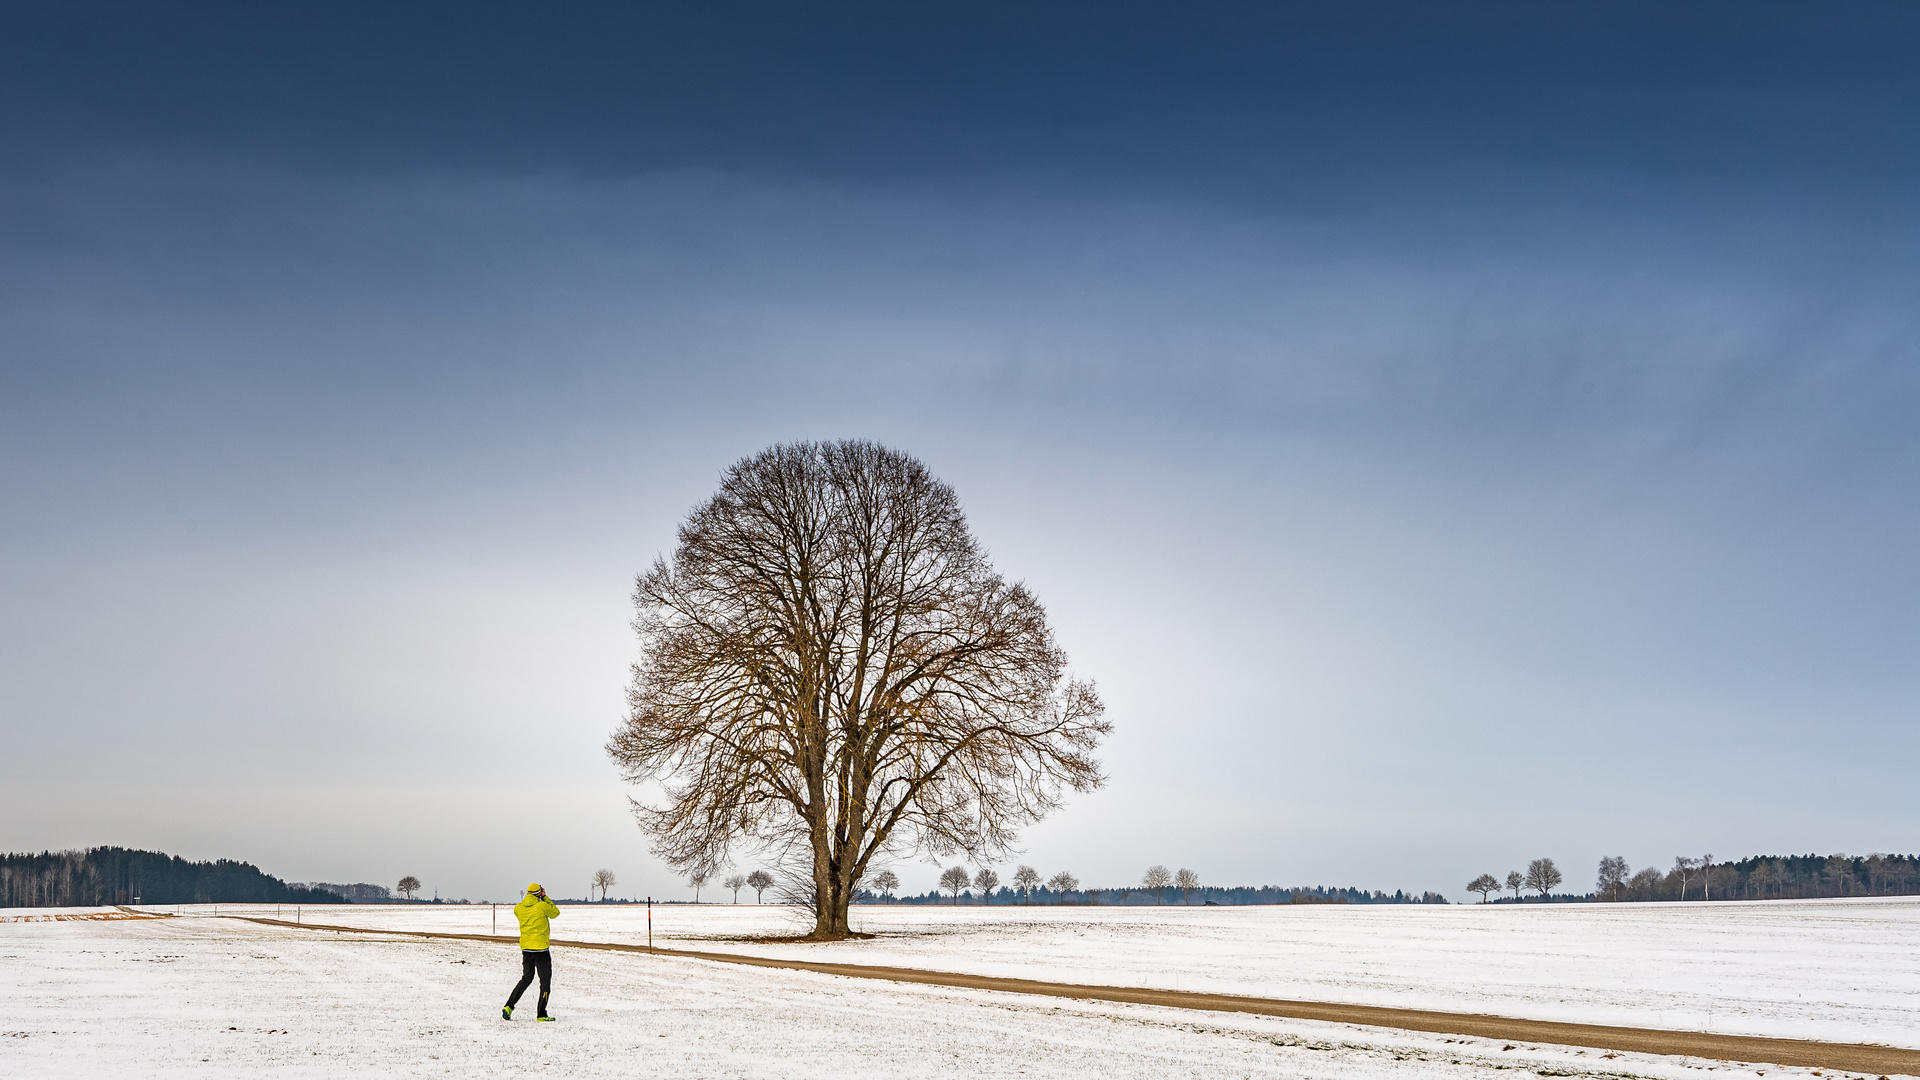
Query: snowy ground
x=1834, y=970
x=219, y=997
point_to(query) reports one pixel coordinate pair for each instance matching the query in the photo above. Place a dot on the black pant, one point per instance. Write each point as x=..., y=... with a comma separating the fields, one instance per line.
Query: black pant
x=531, y=962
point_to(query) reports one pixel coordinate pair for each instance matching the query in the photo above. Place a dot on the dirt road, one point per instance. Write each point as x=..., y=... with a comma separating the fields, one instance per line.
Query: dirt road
x=1850, y=1057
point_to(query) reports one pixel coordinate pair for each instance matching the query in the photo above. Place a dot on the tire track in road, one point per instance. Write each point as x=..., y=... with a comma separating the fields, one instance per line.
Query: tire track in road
x=1803, y=1053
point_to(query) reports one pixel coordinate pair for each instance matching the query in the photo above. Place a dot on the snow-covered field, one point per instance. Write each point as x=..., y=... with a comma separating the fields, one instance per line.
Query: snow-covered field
x=1833, y=970
x=205, y=995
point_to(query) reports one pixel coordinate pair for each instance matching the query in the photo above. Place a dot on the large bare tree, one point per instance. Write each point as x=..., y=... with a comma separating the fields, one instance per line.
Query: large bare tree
x=830, y=666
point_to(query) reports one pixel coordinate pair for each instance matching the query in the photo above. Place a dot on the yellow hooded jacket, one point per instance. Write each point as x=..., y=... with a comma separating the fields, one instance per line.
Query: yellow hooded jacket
x=533, y=913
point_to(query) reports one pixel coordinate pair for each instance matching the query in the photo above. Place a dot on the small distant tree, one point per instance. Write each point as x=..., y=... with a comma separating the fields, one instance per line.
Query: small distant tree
x=1124, y=893
x=603, y=880
x=1063, y=883
x=761, y=881
x=1484, y=884
x=736, y=882
x=953, y=879
x=1026, y=879
x=1157, y=879
x=1612, y=882
x=408, y=886
x=985, y=881
x=1706, y=876
x=1683, y=866
x=697, y=879
x=1514, y=881
x=1542, y=876
x=1186, y=881
x=886, y=883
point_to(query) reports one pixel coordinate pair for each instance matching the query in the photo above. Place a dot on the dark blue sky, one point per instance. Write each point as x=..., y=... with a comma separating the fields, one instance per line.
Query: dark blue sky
x=1250, y=103
x=1409, y=412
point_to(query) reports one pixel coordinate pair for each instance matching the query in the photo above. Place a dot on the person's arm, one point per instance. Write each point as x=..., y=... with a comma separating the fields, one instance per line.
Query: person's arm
x=553, y=910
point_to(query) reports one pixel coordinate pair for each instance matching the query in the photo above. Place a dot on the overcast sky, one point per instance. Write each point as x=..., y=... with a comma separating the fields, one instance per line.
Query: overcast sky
x=1448, y=434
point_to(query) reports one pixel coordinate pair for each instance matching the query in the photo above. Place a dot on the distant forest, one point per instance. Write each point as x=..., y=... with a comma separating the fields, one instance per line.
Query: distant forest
x=1768, y=877
x=1136, y=896
x=112, y=875
x=360, y=893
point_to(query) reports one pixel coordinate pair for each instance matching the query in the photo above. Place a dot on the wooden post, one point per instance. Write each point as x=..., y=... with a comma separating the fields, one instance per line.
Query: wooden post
x=649, y=924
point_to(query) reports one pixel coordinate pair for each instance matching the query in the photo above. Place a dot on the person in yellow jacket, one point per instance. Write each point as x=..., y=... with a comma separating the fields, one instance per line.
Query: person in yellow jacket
x=533, y=911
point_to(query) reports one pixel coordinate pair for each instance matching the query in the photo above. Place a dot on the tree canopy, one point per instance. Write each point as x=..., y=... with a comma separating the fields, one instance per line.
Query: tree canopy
x=830, y=666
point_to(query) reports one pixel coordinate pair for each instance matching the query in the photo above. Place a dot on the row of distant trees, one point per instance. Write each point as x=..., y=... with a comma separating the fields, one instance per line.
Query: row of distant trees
x=1218, y=895
x=759, y=881
x=360, y=892
x=1027, y=886
x=1541, y=876
x=112, y=875
x=1759, y=877
x=1024, y=885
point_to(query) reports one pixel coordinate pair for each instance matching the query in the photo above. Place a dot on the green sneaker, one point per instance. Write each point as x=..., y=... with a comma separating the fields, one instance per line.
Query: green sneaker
x=544, y=1019
x=506, y=1012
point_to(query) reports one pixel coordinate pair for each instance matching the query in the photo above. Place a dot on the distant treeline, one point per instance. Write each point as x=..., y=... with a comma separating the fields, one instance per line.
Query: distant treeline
x=360, y=893
x=1136, y=896
x=112, y=875
x=1767, y=877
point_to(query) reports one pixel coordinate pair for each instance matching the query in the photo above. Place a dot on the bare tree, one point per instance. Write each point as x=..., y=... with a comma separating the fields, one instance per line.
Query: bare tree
x=697, y=879
x=1706, y=875
x=830, y=666
x=1157, y=879
x=1683, y=866
x=1612, y=882
x=886, y=882
x=1186, y=881
x=760, y=881
x=408, y=886
x=1026, y=879
x=985, y=881
x=1063, y=883
x=1542, y=876
x=603, y=880
x=736, y=882
x=1514, y=881
x=1484, y=884
x=953, y=879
